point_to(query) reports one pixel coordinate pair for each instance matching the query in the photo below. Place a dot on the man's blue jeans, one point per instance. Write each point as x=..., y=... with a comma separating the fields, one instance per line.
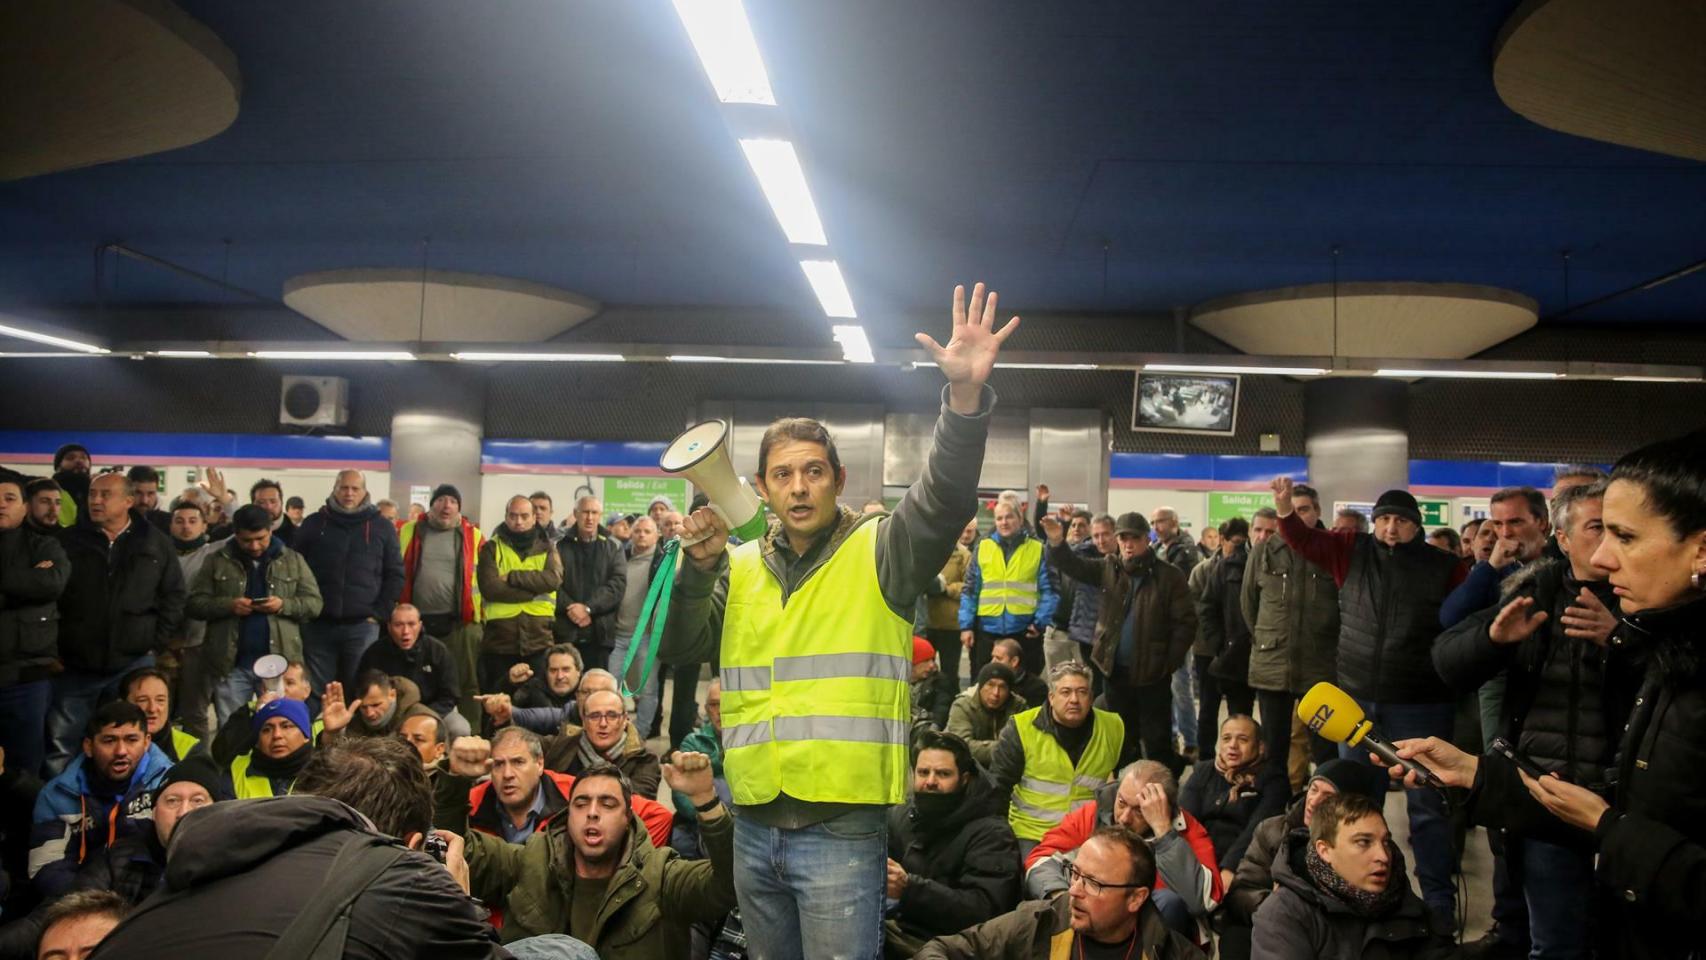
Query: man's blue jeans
x=23, y=723
x=236, y=689
x=1557, y=882
x=1431, y=847
x=1185, y=690
x=815, y=892
x=333, y=650
x=645, y=700
x=75, y=696
x=551, y=946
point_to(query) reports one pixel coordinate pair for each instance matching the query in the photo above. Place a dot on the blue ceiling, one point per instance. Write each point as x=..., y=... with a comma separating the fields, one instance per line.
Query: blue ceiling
x=1115, y=156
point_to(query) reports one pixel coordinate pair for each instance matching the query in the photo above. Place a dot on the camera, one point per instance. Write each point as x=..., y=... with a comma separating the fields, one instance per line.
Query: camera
x=436, y=847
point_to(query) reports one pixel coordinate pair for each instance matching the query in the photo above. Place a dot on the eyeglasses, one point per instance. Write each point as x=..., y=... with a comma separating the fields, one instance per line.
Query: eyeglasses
x=608, y=716
x=1094, y=887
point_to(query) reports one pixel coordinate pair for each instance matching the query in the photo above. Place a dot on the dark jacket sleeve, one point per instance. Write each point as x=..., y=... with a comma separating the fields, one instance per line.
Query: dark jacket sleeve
x=1008, y=763
x=446, y=680
x=390, y=572
x=1079, y=568
x=1255, y=876
x=1211, y=620
x=1465, y=657
x=1649, y=863
x=1276, y=790
x=169, y=599
x=987, y=885
x=696, y=613
x=1284, y=929
x=703, y=890
x=916, y=540
x=1478, y=591
x=1250, y=591
x=1181, y=616
x=1193, y=793
x=608, y=595
x=1328, y=550
x=24, y=582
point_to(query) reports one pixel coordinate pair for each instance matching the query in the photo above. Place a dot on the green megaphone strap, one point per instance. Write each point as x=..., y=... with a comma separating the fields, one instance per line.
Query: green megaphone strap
x=648, y=633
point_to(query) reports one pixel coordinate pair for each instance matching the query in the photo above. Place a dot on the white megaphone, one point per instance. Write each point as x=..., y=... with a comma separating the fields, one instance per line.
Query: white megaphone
x=270, y=668
x=701, y=454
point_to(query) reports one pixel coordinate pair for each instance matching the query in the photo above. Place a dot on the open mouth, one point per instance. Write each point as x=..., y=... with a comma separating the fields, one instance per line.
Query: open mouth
x=593, y=836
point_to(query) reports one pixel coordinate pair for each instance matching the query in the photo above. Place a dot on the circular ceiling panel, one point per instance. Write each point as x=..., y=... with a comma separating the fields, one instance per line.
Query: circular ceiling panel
x=393, y=305
x=1438, y=321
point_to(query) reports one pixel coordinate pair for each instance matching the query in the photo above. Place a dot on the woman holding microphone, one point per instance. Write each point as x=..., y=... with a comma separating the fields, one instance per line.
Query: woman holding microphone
x=1650, y=832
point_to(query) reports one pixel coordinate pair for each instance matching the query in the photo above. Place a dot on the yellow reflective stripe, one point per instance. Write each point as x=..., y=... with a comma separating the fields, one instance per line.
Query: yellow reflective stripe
x=855, y=729
x=1090, y=783
x=745, y=735
x=1044, y=786
x=1048, y=816
x=744, y=679
x=834, y=666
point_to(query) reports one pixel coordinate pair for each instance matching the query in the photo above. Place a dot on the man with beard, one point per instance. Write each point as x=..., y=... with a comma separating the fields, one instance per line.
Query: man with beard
x=281, y=749
x=978, y=715
x=385, y=702
x=71, y=468
x=953, y=862
x=269, y=496
x=182, y=662
x=146, y=480
x=519, y=573
x=45, y=499
x=1028, y=686
x=101, y=796
x=592, y=874
x=354, y=556
x=440, y=551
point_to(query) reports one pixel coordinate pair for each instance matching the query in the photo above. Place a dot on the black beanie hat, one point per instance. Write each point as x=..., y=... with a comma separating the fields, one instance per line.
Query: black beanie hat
x=446, y=490
x=1399, y=502
x=196, y=768
x=1351, y=776
x=59, y=455
x=997, y=671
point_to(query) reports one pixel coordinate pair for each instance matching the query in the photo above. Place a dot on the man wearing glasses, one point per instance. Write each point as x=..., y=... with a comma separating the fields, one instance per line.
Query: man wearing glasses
x=1105, y=913
x=605, y=736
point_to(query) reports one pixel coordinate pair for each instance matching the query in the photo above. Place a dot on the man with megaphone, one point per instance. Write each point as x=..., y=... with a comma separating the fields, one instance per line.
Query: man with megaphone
x=812, y=622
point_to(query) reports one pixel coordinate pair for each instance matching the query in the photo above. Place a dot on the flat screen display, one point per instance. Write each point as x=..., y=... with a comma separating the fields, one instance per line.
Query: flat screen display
x=1202, y=403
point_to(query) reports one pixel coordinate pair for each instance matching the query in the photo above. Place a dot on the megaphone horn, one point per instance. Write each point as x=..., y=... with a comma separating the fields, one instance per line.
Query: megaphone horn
x=701, y=455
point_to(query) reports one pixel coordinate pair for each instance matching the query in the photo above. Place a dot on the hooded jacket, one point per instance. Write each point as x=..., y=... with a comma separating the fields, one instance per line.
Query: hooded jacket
x=980, y=726
x=1029, y=932
x=1182, y=553
x=962, y=868
x=124, y=598
x=355, y=559
x=224, y=577
x=408, y=705
x=29, y=604
x=72, y=825
x=1154, y=593
x=241, y=872
x=1292, y=607
x=1300, y=921
x=1255, y=878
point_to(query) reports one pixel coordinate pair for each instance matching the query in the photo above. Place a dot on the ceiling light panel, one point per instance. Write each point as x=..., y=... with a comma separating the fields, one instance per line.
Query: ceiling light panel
x=722, y=36
x=702, y=358
x=831, y=289
x=532, y=357
x=1470, y=374
x=52, y=341
x=855, y=348
x=332, y=355
x=780, y=176
x=1228, y=368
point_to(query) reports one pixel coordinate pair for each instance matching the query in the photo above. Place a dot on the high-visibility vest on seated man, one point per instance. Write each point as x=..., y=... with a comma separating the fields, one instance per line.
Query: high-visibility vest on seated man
x=1054, y=757
x=812, y=624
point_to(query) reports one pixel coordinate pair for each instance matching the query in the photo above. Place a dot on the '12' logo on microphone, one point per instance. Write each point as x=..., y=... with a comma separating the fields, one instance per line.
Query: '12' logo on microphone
x=1322, y=714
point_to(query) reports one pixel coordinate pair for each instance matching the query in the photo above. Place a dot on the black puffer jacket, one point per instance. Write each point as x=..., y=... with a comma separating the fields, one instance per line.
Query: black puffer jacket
x=133, y=867
x=124, y=599
x=1300, y=921
x=1224, y=634
x=29, y=603
x=1388, y=619
x=1651, y=875
x=1230, y=820
x=962, y=869
x=1566, y=697
x=356, y=561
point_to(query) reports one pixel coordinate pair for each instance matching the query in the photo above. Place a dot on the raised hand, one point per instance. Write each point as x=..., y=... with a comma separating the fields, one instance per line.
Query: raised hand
x=706, y=552
x=1282, y=495
x=335, y=713
x=1506, y=551
x=690, y=774
x=498, y=707
x=969, y=357
x=1052, y=530
x=1452, y=766
x=520, y=674
x=1514, y=624
x=1588, y=619
x=470, y=757
x=214, y=484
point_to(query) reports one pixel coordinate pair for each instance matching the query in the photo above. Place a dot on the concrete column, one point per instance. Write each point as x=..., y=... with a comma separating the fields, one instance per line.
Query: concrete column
x=1356, y=434
x=436, y=428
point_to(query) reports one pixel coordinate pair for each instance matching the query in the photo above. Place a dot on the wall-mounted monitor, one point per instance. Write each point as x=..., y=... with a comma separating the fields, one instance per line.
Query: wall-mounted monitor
x=1200, y=403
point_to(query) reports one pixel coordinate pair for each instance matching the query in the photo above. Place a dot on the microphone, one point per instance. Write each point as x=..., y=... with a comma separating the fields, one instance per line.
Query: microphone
x=1333, y=715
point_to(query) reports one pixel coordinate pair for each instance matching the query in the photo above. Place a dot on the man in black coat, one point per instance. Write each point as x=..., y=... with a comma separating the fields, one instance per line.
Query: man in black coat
x=124, y=600
x=595, y=575
x=33, y=572
x=355, y=557
x=410, y=653
x=953, y=861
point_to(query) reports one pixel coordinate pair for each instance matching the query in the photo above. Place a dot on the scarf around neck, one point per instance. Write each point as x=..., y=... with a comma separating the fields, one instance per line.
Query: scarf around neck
x=285, y=767
x=591, y=754
x=1362, y=903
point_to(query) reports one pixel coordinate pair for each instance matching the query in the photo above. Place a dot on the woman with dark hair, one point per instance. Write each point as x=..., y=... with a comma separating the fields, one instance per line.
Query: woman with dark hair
x=1650, y=830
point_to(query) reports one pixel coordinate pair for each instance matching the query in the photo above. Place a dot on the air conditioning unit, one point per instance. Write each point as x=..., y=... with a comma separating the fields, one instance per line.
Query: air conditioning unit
x=314, y=402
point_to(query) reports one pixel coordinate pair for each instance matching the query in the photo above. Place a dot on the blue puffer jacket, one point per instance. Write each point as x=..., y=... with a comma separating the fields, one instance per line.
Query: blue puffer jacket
x=356, y=561
x=1086, y=599
x=1008, y=624
x=70, y=825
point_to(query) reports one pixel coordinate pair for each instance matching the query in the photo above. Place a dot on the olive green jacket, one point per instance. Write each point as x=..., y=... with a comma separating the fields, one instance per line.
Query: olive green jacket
x=222, y=579
x=1292, y=607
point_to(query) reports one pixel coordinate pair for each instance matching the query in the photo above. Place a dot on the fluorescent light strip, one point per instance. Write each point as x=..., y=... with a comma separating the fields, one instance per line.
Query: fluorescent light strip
x=332, y=355
x=722, y=37
x=783, y=181
x=1471, y=374
x=697, y=358
x=1657, y=379
x=1047, y=366
x=45, y=354
x=831, y=289
x=1230, y=368
x=51, y=341
x=854, y=347
x=514, y=357
x=182, y=354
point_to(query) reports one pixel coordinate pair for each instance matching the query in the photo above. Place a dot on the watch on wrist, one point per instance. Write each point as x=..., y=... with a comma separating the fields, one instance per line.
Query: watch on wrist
x=708, y=805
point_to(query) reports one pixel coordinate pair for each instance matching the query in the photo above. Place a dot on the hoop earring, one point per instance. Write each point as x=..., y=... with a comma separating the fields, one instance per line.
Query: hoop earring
x=1695, y=580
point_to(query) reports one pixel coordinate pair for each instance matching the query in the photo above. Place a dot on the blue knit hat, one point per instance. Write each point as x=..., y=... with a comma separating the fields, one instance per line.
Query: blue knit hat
x=293, y=710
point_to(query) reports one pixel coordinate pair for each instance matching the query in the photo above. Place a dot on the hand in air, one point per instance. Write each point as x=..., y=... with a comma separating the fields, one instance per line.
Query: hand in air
x=969, y=356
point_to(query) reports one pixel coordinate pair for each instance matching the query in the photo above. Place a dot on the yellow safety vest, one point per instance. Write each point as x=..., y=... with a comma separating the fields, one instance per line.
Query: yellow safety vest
x=544, y=605
x=246, y=785
x=1051, y=787
x=816, y=701
x=182, y=743
x=1009, y=584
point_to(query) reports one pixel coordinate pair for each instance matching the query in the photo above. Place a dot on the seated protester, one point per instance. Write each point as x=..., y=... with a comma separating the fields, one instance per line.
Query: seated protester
x=1145, y=801
x=75, y=924
x=237, y=734
x=547, y=720
x=1341, y=893
x=429, y=738
x=594, y=874
x=933, y=691
x=134, y=866
x=556, y=688
x=405, y=651
x=1010, y=654
x=255, y=594
x=102, y=796
x=385, y=703
x=1254, y=880
x=520, y=795
x=953, y=862
x=146, y=688
x=1106, y=913
x=608, y=737
x=1054, y=757
x=707, y=740
x=978, y=715
x=282, y=748
x=1234, y=792
x=267, y=878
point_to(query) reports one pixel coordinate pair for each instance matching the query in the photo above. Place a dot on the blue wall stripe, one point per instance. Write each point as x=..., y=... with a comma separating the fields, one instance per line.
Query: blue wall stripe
x=147, y=447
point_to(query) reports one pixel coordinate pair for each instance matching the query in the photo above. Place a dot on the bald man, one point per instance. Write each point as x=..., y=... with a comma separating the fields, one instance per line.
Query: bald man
x=355, y=557
x=595, y=576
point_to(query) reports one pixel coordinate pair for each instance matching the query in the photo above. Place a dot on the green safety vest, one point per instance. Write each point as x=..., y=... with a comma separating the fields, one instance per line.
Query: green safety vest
x=246, y=785
x=1009, y=584
x=816, y=695
x=1051, y=787
x=544, y=605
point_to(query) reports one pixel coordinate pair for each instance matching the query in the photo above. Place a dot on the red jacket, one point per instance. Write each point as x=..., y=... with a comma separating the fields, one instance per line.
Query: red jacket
x=1070, y=834
x=468, y=551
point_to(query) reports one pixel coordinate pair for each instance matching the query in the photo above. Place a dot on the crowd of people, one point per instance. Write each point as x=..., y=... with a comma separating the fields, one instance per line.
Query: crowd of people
x=242, y=727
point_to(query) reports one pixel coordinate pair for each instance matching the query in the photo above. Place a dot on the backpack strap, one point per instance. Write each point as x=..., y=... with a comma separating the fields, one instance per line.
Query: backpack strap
x=319, y=930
